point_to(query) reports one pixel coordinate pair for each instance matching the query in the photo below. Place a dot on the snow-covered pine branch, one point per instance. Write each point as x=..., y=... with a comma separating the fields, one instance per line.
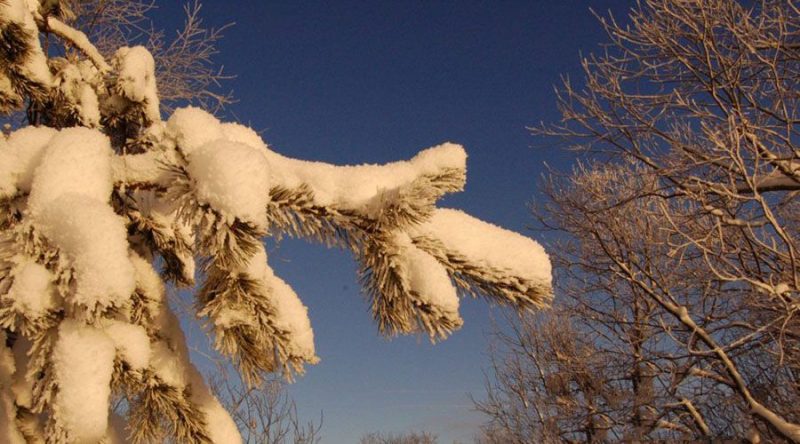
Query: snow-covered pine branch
x=101, y=189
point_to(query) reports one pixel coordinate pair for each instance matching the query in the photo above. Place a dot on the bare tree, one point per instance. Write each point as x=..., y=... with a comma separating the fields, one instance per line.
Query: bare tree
x=264, y=414
x=677, y=267
x=546, y=386
x=402, y=438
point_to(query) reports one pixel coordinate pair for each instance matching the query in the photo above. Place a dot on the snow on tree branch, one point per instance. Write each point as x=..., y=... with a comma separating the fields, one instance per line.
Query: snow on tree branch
x=76, y=38
x=100, y=188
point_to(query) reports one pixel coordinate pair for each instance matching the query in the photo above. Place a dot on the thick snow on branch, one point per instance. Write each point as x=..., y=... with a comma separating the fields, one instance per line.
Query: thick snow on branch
x=172, y=365
x=407, y=281
x=77, y=82
x=103, y=271
x=32, y=292
x=291, y=316
x=220, y=178
x=233, y=178
x=144, y=170
x=69, y=205
x=77, y=160
x=488, y=244
x=84, y=360
x=19, y=157
x=484, y=257
x=426, y=283
x=348, y=187
x=137, y=79
x=425, y=278
x=130, y=341
x=79, y=40
x=192, y=128
x=352, y=187
x=258, y=319
x=18, y=25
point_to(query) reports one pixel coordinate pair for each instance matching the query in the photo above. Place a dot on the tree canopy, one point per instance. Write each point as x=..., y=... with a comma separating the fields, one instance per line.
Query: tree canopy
x=678, y=275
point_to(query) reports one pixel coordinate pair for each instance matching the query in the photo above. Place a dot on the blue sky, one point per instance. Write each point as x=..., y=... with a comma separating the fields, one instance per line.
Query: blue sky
x=354, y=82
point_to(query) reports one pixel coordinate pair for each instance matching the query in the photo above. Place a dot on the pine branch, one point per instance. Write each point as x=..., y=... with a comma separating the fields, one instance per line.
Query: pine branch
x=241, y=315
x=158, y=409
x=74, y=38
x=162, y=237
x=188, y=188
x=293, y=211
x=397, y=305
x=480, y=280
x=415, y=202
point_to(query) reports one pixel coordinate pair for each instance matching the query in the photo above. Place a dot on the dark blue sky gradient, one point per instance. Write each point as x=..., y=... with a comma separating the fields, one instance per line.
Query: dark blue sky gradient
x=354, y=82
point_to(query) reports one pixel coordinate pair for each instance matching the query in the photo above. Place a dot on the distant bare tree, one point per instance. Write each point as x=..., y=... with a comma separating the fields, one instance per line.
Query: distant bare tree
x=185, y=68
x=264, y=414
x=402, y=438
x=547, y=388
x=677, y=265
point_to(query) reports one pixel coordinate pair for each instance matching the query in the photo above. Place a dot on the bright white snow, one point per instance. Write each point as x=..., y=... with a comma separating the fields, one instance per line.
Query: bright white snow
x=426, y=278
x=172, y=364
x=353, y=186
x=83, y=360
x=137, y=79
x=104, y=273
x=233, y=178
x=131, y=342
x=243, y=134
x=292, y=316
x=69, y=204
x=488, y=245
x=70, y=175
x=192, y=128
x=19, y=157
x=76, y=160
x=32, y=292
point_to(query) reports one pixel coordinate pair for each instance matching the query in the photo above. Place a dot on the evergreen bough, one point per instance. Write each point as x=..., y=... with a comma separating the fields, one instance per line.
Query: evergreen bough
x=99, y=190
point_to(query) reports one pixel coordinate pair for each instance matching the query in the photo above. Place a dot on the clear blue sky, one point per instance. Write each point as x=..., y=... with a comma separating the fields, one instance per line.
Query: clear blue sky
x=354, y=82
